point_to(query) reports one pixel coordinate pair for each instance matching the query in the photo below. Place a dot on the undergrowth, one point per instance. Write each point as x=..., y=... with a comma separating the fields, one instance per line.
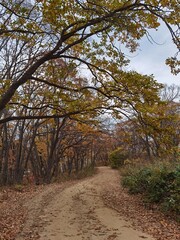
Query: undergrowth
x=159, y=183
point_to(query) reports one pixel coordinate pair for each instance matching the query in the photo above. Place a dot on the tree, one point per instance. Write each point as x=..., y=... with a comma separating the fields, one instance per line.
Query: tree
x=82, y=32
x=152, y=128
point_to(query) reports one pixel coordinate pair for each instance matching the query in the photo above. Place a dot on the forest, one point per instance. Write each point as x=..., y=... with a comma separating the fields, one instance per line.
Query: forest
x=67, y=99
x=71, y=107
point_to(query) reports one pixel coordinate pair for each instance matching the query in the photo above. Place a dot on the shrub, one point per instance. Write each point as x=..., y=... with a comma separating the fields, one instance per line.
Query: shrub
x=117, y=158
x=159, y=183
x=137, y=180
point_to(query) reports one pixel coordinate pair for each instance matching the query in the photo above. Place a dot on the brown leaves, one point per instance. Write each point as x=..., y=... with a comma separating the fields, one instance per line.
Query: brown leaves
x=12, y=213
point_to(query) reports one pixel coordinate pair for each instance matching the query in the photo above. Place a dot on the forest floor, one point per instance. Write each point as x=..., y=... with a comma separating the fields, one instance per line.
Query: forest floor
x=93, y=208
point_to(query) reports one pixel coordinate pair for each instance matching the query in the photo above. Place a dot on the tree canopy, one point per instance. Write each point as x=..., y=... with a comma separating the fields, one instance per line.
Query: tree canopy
x=43, y=43
x=62, y=65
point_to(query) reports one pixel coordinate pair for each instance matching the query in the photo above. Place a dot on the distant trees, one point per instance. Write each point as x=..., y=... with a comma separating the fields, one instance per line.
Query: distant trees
x=155, y=131
x=47, y=149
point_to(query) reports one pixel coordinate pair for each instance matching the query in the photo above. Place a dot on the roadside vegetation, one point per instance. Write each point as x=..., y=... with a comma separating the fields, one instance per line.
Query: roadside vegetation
x=156, y=180
x=147, y=152
x=159, y=183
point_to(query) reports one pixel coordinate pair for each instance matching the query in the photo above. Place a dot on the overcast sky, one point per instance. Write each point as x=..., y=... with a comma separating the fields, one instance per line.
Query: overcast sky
x=150, y=58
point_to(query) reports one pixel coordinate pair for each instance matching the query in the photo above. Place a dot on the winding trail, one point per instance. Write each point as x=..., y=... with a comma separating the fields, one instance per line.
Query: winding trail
x=78, y=212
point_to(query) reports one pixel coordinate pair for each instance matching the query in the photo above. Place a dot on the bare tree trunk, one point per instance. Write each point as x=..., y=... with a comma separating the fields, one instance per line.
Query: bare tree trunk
x=19, y=160
x=5, y=155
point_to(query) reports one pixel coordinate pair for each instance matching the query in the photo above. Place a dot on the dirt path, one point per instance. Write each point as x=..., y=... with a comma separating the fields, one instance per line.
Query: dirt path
x=78, y=213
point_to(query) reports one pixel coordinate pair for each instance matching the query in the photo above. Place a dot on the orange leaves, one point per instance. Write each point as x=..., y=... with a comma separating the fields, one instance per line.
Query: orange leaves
x=87, y=129
x=42, y=147
x=12, y=214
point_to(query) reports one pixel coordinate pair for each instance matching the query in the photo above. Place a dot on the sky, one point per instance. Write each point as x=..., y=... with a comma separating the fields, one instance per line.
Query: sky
x=150, y=57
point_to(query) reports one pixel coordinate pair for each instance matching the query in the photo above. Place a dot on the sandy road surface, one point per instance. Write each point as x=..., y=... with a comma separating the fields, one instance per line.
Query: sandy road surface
x=78, y=213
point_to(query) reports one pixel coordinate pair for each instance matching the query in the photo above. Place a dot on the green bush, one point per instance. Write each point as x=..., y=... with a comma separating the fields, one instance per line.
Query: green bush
x=117, y=158
x=137, y=180
x=158, y=183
